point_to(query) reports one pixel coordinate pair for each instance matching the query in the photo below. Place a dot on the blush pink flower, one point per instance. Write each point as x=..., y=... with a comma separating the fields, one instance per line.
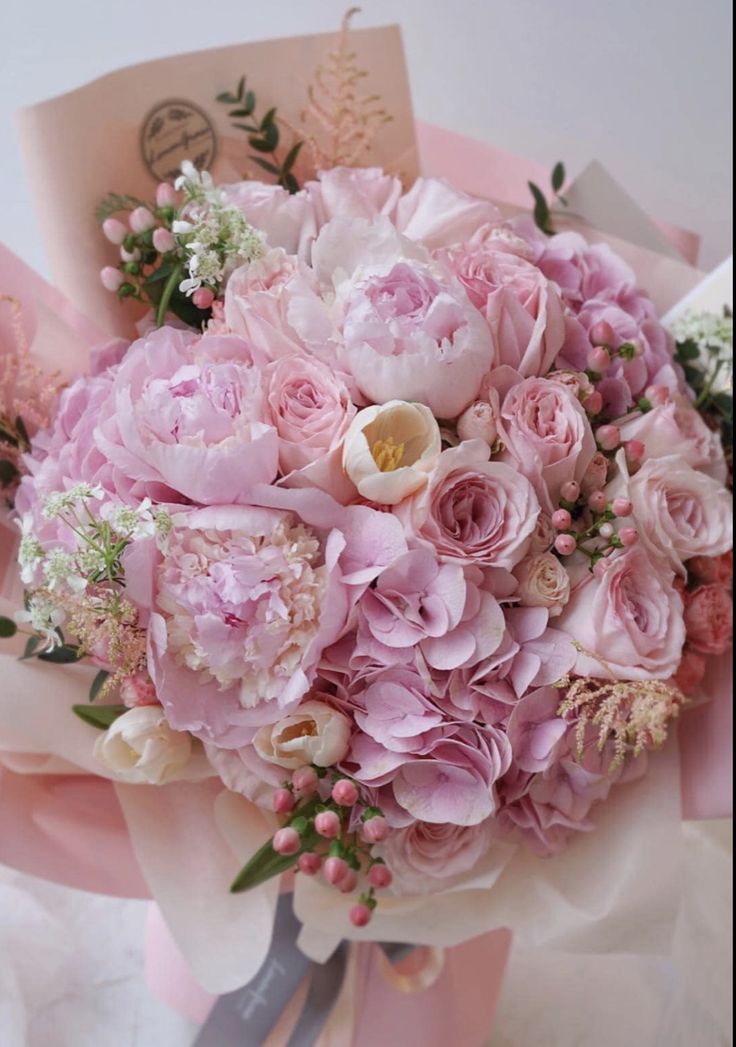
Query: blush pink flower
x=352, y=192
x=439, y=215
x=536, y=732
x=627, y=622
x=713, y=568
x=473, y=510
x=256, y=306
x=709, y=619
x=546, y=435
x=676, y=427
x=396, y=711
x=187, y=412
x=425, y=856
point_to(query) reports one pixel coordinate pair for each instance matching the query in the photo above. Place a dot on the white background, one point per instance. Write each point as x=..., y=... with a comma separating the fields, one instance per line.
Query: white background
x=642, y=85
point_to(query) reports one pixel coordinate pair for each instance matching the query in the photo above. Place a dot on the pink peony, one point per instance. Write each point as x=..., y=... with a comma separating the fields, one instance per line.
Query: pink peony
x=628, y=622
x=256, y=305
x=709, y=619
x=352, y=192
x=473, y=510
x=439, y=215
x=522, y=308
x=187, y=412
x=546, y=435
x=287, y=219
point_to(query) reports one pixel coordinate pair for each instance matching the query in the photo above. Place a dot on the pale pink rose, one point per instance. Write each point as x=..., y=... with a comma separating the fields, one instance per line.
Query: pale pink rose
x=713, y=568
x=478, y=422
x=426, y=856
x=543, y=582
x=676, y=427
x=439, y=215
x=523, y=310
x=594, y=477
x=679, y=511
x=188, y=412
x=256, y=306
x=546, y=435
x=543, y=535
x=709, y=619
x=576, y=381
x=314, y=733
x=352, y=192
x=397, y=324
x=287, y=219
x=473, y=510
x=628, y=622
x=536, y=733
x=309, y=407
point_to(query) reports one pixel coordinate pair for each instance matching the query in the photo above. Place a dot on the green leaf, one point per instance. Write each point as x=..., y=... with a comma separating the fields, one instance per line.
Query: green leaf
x=266, y=165
x=240, y=112
x=290, y=158
x=64, y=655
x=687, y=351
x=30, y=649
x=241, y=88
x=260, y=144
x=246, y=127
x=172, y=283
x=249, y=102
x=558, y=176
x=22, y=431
x=8, y=628
x=541, y=208
x=227, y=99
x=8, y=473
x=99, y=716
x=98, y=683
x=158, y=274
x=268, y=119
x=266, y=863
x=289, y=182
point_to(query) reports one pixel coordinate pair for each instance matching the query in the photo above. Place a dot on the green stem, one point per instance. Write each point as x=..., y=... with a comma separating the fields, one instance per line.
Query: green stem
x=705, y=392
x=171, y=285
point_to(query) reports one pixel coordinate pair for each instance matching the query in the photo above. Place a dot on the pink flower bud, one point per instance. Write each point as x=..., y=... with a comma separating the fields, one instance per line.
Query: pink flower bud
x=345, y=792
x=163, y=240
x=309, y=863
x=305, y=780
x=621, y=507
x=203, y=298
x=349, y=881
x=594, y=403
x=282, y=801
x=327, y=824
x=379, y=876
x=478, y=422
x=608, y=437
x=657, y=395
x=570, y=491
x=628, y=535
x=606, y=531
x=561, y=519
x=166, y=195
x=375, y=830
x=595, y=475
x=130, y=256
x=334, y=869
x=597, y=501
x=287, y=841
x=360, y=915
x=114, y=230
x=602, y=334
x=634, y=451
x=141, y=220
x=111, y=278
x=565, y=544
x=598, y=359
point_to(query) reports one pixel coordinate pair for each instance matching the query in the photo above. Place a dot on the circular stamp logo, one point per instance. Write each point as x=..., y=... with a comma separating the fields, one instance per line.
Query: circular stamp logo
x=173, y=131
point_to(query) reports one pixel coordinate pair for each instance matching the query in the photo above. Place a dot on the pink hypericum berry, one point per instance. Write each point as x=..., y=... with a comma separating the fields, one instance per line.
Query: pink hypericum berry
x=621, y=507
x=309, y=863
x=130, y=256
x=598, y=359
x=141, y=220
x=628, y=535
x=360, y=915
x=327, y=824
x=282, y=801
x=597, y=501
x=166, y=195
x=287, y=841
x=375, y=830
x=657, y=395
x=602, y=334
x=561, y=519
x=608, y=437
x=565, y=544
x=305, y=780
x=349, y=882
x=380, y=876
x=570, y=491
x=114, y=230
x=334, y=869
x=606, y=530
x=345, y=792
x=594, y=403
x=163, y=240
x=203, y=298
x=634, y=451
x=111, y=278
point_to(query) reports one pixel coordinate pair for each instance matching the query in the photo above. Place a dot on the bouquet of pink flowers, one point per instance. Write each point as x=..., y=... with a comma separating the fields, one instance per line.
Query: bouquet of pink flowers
x=400, y=518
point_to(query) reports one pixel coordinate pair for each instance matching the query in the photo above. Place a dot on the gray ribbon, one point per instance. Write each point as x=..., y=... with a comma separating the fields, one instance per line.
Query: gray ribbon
x=245, y=1018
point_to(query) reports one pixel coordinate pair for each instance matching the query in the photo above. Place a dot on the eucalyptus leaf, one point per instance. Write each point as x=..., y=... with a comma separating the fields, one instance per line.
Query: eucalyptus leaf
x=266, y=863
x=64, y=655
x=98, y=683
x=30, y=649
x=558, y=176
x=290, y=158
x=8, y=473
x=99, y=716
x=8, y=628
x=260, y=144
x=241, y=88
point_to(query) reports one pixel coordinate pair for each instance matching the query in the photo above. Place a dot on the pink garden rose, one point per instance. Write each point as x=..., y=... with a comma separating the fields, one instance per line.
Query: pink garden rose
x=543, y=582
x=425, y=852
x=256, y=305
x=713, y=568
x=309, y=407
x=522, y=308
x=473, y=510
x=709, y=619
x=677, y=428
x=187, y=412
x=628, y=622
x=546, y=435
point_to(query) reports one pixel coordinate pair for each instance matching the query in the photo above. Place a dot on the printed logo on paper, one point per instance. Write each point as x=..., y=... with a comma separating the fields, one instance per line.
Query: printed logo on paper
x=173, y=131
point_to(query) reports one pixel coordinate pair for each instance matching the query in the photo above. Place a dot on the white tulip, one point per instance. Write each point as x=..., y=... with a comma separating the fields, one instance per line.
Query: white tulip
x=140, y=746
x=314, y=733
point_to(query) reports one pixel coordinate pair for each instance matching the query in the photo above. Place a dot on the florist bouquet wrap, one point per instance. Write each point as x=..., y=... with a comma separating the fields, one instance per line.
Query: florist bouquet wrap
x=372, y=534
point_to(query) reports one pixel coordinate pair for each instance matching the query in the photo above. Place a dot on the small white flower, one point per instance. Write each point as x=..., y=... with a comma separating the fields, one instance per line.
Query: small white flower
x=44, y=618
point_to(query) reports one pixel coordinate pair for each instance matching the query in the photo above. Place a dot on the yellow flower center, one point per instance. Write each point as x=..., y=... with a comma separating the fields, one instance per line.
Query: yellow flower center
x=387, y=455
